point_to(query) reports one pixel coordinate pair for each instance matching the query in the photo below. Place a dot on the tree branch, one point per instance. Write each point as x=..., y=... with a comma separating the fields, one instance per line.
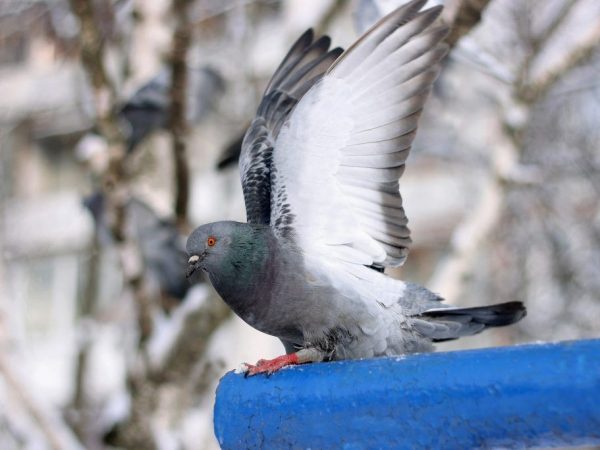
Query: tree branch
x=455, y=269
x=464, y=16
x=192, y=341
x=178, y=371
x=148, y=386
x=177, y=120
x=541, y=39
x=451, y=275
x=88, y=305
x=92, y=53
x=115, y=178
x=329, y=15
x=536, y=89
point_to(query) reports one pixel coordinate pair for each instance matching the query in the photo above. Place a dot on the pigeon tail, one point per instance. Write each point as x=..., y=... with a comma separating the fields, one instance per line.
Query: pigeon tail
x=443, y=324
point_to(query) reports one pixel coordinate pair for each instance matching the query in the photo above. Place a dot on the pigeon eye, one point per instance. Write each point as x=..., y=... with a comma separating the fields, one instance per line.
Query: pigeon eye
x=211, y=241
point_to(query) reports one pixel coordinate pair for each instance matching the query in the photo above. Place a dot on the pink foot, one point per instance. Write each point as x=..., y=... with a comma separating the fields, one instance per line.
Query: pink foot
x=270, y=366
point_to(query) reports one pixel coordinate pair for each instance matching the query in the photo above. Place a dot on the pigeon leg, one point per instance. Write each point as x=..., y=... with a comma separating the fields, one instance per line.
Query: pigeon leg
x=270, y=366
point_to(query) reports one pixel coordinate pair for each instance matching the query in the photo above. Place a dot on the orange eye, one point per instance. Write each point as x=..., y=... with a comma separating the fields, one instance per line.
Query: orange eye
x=211, y=241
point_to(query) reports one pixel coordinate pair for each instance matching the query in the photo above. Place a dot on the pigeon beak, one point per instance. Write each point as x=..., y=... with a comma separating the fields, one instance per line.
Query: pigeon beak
x=193, y=265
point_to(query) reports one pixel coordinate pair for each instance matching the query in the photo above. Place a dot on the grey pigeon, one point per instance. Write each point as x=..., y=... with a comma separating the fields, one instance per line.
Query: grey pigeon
x=320, y=166
x=231, y=154
x=149, y=107
x=160, y=243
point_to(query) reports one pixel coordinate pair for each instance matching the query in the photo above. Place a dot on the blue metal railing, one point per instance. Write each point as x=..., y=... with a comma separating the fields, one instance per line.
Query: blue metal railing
x=514, y=397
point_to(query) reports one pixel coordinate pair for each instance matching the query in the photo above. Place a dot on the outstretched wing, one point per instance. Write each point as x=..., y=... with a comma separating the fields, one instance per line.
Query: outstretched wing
x=304, y=65
x=340, y=154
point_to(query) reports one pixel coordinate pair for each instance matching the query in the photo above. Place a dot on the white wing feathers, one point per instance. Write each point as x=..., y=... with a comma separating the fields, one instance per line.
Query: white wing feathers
x=338, y=159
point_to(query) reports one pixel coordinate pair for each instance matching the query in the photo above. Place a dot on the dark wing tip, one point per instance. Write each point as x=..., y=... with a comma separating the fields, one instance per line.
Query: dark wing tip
x=336, y=52
x=322, y=43
x=307, y=37
x=497, y=315
x=435, y=10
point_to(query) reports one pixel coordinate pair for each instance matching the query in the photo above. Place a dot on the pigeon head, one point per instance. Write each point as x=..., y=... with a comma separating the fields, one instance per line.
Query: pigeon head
x=222, y=248
x=208, y=245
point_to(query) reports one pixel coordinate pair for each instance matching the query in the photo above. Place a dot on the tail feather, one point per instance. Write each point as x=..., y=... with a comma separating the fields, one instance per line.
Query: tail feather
x=442, y=324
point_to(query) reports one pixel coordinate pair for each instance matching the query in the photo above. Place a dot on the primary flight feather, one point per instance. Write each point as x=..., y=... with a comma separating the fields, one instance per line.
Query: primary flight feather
x=320, y=169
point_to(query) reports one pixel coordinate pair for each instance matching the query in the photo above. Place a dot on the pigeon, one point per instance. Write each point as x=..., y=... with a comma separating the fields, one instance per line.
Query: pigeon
x=320, y=169
x=231, y=154
x=161, y=246
x=148, y=110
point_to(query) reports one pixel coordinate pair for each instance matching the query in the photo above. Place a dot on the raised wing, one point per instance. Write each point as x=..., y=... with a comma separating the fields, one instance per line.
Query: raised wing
x=339, y=156
x=304, y=65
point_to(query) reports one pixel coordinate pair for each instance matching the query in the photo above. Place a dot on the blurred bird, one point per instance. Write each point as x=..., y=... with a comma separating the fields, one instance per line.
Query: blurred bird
x=230, y=156
x=320, y=166
x=148, y=108
x=161, y=245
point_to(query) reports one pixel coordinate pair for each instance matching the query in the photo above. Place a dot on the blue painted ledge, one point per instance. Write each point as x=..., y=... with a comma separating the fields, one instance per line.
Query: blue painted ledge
x=532, y=395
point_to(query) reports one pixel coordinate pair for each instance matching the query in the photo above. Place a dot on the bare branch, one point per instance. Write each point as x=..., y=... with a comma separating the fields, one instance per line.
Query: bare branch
x=114, y=179
x=192, y=341
x=464, y=16
x=329, y=16
x=146, y=386
x=136, y=432
x=540, y=40
x=88, y=305
x=452, y=273
x=536, y=45
x=179, y=370
x=92, y=53
x=577, y=56
x=177, y=121
x=505, y=168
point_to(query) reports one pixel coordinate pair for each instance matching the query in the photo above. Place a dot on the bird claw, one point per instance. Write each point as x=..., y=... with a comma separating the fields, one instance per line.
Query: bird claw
x=270, y=366
x=253, y=369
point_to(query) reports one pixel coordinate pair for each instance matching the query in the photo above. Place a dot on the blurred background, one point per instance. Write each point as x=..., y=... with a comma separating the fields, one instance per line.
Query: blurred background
x=119, y=126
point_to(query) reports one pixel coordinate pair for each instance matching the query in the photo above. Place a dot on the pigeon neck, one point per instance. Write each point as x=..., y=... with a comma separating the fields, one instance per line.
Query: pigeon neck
x=243, y=268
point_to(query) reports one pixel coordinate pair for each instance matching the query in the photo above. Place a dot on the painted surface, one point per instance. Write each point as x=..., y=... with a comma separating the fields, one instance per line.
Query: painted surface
x=532, y=395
